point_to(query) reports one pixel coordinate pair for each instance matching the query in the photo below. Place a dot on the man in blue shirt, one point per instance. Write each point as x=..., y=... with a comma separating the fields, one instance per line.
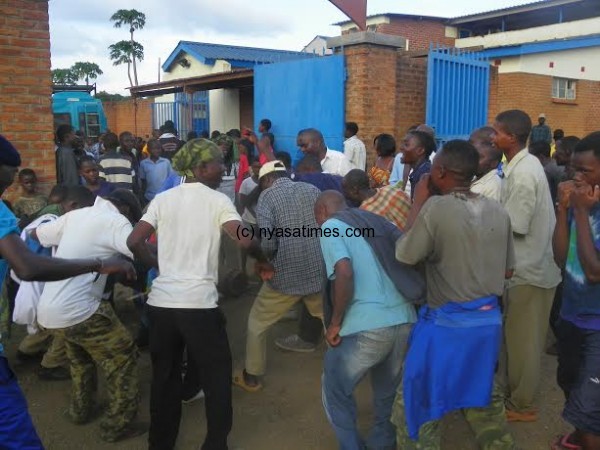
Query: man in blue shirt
x=576, y=244
x=154, y=170
x=16, y=429
x=368, y=332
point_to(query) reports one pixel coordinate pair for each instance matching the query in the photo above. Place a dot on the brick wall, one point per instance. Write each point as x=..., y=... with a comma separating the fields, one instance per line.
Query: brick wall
x=385, y=92
x=371, y=92
x=122, y=116
x=420, y=33
x=532, y=94
x=247, y=108
x=411, y=93
x=26, y=86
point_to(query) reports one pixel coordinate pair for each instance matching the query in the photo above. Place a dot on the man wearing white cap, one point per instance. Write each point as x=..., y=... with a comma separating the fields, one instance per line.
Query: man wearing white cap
x=289, y=237
x=541, y=132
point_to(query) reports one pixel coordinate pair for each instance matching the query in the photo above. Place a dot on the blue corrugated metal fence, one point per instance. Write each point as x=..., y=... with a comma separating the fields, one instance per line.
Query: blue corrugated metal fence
x=457, y=92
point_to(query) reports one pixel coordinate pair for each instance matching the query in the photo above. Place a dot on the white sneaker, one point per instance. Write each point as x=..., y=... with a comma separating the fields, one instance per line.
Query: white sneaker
x=198, y=396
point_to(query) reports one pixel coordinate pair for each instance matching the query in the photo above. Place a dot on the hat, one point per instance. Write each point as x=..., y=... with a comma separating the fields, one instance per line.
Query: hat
x=270, y=167
x=9, y=156
x=542, y=116
x=194, y=153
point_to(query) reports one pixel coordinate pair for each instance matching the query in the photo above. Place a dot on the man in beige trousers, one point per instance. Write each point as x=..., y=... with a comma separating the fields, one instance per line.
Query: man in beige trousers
x=530, y=292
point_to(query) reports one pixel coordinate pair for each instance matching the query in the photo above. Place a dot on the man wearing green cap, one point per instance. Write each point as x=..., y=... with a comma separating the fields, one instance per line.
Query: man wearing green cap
x=183, y=303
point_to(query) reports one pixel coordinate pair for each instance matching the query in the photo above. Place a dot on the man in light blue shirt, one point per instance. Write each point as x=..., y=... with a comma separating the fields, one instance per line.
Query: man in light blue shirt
x=154, y=170
x=368, y=332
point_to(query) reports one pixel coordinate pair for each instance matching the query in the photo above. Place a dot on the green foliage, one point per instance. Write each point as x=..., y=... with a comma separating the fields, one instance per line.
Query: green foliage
x=106, y=97
x=63, y=77
x=86, y=71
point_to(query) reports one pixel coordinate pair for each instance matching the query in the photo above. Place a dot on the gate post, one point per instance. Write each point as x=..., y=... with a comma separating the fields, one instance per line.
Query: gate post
x=371, y=83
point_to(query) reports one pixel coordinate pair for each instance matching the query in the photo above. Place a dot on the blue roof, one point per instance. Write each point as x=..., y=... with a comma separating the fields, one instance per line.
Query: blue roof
x=529, y=48
x=236, y=56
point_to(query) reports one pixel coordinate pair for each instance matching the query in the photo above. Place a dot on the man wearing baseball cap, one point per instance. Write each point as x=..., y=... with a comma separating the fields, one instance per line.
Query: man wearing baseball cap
x=285, y=215
x=541, y=132
x=183, y=302
x=16, y=428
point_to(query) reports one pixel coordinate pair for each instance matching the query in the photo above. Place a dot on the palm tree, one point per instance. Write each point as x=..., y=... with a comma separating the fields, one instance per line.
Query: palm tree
x=121, y=53
x=86, y=70
x=136, y=21
x=63, y=76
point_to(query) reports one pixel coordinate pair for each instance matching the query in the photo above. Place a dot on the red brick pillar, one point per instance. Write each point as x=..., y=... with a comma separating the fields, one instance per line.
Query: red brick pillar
x=371, y=83
x=26, y=85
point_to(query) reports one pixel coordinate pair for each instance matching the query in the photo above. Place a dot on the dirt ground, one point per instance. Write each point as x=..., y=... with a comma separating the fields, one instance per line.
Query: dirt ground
x=286, y=415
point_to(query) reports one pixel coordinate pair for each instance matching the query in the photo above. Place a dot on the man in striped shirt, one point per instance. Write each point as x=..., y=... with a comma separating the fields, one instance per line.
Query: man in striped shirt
x=116, y=168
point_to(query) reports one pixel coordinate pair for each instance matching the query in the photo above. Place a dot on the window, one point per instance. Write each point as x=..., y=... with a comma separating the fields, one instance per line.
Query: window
x=563, y=88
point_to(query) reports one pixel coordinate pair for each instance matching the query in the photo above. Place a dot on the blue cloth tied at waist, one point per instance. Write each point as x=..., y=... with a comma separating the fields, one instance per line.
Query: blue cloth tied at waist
x=451, y=360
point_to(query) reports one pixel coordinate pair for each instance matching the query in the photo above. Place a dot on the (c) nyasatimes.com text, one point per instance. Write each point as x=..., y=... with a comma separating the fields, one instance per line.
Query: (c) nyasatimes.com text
x=302, y=232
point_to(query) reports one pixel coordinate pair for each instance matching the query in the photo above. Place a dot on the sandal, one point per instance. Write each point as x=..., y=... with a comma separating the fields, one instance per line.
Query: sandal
x=240, y=381
x=562, y=443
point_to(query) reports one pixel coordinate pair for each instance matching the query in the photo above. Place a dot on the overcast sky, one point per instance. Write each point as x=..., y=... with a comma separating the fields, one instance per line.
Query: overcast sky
x=84, y=33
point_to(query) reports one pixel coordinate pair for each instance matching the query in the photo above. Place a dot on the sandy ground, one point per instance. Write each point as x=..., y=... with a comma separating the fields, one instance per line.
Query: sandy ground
x=287, y=415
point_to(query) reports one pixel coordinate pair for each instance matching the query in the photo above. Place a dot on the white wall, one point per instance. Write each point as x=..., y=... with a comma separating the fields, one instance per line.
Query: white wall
x=224, y=109
x=567, y=64
x=196, y=69
x=318, y=46
x=545, y=33
x=377, y=20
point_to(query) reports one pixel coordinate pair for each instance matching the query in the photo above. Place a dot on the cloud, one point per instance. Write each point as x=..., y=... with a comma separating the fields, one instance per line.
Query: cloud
x=84, y=33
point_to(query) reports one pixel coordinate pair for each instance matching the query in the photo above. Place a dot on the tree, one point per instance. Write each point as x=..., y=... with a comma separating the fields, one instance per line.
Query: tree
x=106, y=97
x=86, y=70
x=136, y=21
x=63, y=77
x=122, y=52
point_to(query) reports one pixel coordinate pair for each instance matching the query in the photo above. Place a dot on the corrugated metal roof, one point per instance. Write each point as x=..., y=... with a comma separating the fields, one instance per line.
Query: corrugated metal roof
x=510, y=9
x=248, y=56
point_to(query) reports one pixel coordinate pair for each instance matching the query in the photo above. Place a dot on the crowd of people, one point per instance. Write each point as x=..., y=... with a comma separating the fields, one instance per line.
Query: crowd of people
x=437, y=271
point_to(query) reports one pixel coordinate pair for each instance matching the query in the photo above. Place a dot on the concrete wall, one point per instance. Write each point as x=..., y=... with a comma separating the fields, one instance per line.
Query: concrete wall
x=578, y=64
x=545, y=33
x=26, y=86
x=224, y=106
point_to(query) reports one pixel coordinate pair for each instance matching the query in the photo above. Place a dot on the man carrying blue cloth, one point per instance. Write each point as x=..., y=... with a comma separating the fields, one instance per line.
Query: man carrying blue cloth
x=465, y=242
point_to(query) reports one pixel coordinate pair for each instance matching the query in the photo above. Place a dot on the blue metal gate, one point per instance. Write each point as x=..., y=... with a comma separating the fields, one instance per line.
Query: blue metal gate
x=294, y=95
x=457, y=92
x=189, y=112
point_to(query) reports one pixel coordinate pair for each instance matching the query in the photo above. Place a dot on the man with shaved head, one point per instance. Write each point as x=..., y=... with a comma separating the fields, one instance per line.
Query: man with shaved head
x=311, y=142
x=488, y=180
x=370, y=321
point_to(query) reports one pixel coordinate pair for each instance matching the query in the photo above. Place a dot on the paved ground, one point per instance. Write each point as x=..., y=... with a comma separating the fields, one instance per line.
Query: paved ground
x=287, y=415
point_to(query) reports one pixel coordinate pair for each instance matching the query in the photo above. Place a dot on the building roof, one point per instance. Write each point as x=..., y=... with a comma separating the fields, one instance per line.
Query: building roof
x=234, y=79
x=399, y=16
x=495, y=13
x=237, y=56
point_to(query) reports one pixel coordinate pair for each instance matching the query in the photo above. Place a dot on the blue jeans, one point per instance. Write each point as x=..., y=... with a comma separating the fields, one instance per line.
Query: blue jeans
x=380, y=351
x=16, y=429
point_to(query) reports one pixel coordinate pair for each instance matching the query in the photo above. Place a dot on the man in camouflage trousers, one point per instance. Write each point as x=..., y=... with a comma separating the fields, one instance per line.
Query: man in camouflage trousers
x=73, y=310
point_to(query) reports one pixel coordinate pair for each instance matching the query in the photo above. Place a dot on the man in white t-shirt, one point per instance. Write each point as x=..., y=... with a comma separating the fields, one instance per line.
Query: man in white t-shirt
x=73, y=310
x=311, y=142
x=183, y=303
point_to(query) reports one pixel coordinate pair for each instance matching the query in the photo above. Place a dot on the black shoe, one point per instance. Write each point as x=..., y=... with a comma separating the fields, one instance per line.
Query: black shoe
x=54, y=374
